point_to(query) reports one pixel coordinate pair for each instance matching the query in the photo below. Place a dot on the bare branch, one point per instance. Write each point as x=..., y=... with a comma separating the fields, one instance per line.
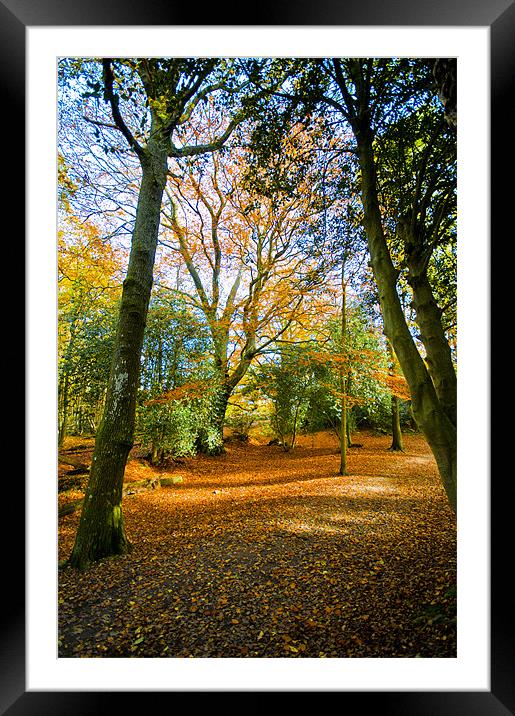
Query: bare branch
x=115, y=110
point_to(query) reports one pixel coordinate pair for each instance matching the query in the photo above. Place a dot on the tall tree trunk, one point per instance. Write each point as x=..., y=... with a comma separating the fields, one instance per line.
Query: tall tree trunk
x=349, y=421
x=343, y=380
x=432, y=335
x=64, y=389
x=101, y=530
x=397, y=444
x=212, y=444
x=63, y=425
x=431, y=417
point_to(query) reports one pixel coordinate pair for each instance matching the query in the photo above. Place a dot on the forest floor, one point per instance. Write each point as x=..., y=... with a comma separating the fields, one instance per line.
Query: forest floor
x=263, y=553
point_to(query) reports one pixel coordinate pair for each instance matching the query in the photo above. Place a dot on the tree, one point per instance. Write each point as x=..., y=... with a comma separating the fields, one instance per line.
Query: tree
x=173, y=356
x=370, y=96
x=365, y=366
x=367, y=88
x=397, y=444
x=89, y=270
x=241, y=250
x=418, y=180
x=445, y=70
x=343, y=252
x=288, y=380
x=166, y=93
x=174, y=421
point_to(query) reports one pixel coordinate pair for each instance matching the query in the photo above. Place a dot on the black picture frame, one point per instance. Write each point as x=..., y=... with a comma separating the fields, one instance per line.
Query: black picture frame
x=499, y=16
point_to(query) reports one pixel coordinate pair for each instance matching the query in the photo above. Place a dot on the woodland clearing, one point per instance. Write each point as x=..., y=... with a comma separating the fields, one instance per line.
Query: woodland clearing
x=265, y=553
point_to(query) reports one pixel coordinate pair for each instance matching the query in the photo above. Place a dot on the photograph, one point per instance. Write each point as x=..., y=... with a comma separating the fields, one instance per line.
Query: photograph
x=257, y=270
x=257, y=357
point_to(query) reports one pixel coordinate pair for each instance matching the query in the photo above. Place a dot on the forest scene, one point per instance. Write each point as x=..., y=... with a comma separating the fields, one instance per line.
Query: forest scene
x=257, y=357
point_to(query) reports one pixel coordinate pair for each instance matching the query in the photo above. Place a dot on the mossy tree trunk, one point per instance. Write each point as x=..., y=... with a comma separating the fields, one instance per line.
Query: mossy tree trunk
x=428, y=318
x=173, y=88
x=101, y=531
x=430, y=413
x=211, y=438
x=431, y=398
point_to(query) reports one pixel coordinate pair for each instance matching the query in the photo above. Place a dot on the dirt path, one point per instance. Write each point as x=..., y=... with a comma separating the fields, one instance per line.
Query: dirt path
x=261, y=553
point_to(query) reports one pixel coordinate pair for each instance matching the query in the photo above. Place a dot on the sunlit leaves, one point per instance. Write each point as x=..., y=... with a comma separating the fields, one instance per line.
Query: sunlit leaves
x=266, y=554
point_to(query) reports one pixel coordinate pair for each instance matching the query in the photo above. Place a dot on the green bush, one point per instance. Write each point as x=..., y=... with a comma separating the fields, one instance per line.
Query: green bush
x=168, y=429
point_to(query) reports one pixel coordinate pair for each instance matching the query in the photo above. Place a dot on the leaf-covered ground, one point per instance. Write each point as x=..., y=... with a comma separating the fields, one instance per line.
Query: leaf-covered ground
x=262, y=553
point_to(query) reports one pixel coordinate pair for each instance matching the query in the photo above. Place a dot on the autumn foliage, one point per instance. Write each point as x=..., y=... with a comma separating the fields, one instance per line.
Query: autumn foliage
x=261, y=553
x=255, y=260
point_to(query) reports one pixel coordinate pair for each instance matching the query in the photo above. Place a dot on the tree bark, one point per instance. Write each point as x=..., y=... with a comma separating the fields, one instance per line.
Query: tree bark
x=432, y=335
x=210, y=440
x=64, y=389
x=101, y=530
x=343, y=380
x=430, y=415
x=397, y=444
x=63, y=426
x=445, y=75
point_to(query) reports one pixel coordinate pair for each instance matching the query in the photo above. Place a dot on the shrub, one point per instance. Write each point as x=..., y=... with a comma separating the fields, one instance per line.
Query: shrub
x=168, y=429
